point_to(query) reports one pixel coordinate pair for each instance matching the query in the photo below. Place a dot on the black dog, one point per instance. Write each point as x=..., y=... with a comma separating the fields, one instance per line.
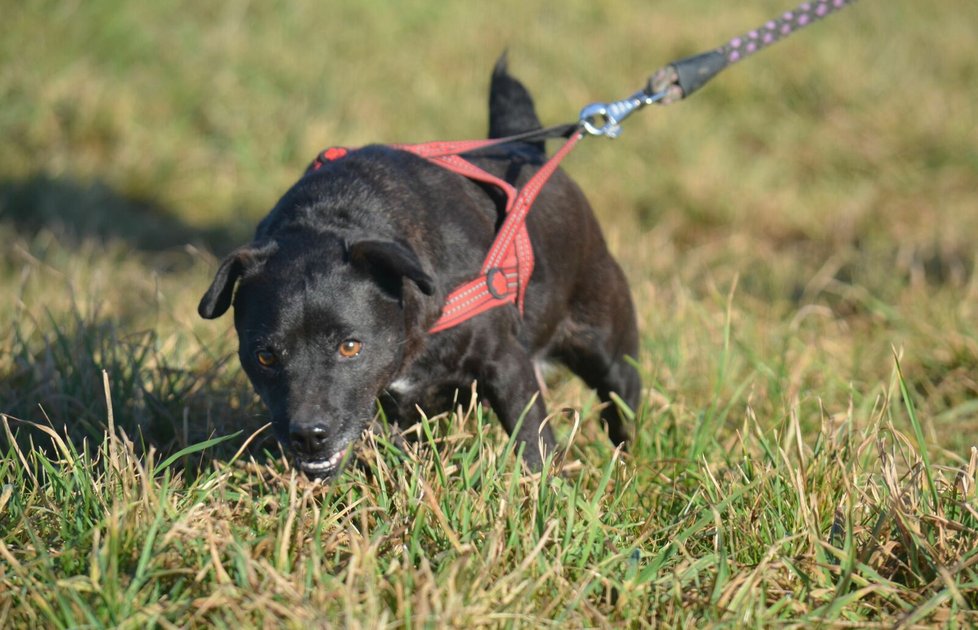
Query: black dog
x=345, y=277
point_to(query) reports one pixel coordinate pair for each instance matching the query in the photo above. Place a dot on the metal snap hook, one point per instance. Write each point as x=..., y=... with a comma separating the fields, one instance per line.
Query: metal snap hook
x=604, y=119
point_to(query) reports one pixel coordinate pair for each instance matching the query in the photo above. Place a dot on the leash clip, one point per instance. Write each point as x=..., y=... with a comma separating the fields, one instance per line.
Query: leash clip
x=604, y=119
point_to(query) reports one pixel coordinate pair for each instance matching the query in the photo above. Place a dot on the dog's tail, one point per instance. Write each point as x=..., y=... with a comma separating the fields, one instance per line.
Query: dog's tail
x=511, y=108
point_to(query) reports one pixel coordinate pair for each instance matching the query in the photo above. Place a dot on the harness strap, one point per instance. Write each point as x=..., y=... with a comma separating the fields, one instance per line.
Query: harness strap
x=507, y=268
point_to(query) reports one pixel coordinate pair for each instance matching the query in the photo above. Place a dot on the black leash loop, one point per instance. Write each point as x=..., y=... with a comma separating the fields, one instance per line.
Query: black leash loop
x=679, y=79
x=565, y=130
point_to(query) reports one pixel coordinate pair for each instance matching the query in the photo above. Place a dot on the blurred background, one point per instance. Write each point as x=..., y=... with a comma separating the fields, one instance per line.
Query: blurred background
x=787, y=231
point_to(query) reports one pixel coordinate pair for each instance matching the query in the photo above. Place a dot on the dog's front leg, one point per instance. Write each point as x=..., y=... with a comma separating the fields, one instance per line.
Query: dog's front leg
x=509, y=384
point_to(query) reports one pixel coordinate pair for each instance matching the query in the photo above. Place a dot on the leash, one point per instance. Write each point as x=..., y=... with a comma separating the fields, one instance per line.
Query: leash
x=679, y=79
x=506, y=269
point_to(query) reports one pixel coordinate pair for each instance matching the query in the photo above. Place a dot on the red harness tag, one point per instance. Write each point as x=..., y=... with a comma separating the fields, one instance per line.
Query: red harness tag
x=508, y=266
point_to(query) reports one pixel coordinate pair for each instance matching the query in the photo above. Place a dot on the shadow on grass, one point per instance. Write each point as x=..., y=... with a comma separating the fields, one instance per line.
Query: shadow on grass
x=80, y=210
x=54, y=368
x=59, y=381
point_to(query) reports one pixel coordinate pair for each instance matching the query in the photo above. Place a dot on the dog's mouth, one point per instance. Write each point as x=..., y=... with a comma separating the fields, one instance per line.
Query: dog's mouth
x=322, y=468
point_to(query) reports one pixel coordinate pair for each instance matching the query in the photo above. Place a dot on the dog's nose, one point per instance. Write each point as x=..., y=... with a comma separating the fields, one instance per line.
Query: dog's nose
x=309, y=439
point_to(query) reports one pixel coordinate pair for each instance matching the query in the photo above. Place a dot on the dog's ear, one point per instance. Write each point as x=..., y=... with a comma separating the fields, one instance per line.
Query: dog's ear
x=217, y=299
x=393, y=261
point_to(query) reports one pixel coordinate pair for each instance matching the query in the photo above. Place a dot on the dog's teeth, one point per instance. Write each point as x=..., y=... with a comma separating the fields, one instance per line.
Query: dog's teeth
x=324, y=464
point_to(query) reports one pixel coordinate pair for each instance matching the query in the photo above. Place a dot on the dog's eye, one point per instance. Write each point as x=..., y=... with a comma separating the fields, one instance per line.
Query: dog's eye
x=350, y=348
x=266, y=358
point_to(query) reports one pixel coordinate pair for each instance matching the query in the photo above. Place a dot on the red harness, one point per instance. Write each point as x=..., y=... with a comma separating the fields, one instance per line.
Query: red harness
x=508, y=266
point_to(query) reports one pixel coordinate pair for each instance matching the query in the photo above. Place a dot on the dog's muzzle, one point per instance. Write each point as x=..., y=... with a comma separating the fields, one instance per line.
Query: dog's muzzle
x=311, y=446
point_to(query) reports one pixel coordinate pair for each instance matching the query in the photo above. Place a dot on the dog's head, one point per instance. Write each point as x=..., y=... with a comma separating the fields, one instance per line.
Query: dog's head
x=322, y=328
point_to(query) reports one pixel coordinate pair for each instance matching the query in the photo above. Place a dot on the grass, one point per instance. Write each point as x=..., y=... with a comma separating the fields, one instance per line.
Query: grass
x=799, y=237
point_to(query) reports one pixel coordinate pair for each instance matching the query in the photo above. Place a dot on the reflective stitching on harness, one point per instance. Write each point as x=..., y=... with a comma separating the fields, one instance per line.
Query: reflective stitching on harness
x=479, y=286
x=523, y=203
x=512, y=243
x=511, y=253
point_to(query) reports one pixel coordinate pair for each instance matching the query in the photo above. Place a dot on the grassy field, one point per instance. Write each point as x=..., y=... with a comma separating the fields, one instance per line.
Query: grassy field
x=799, y=236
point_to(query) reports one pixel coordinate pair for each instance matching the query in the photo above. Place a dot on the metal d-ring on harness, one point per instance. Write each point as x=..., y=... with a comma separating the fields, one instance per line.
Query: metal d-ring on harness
x=507, y=268
x=681, y=78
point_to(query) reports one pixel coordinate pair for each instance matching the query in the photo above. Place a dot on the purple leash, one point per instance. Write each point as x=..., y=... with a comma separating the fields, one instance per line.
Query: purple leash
x=681, y=78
